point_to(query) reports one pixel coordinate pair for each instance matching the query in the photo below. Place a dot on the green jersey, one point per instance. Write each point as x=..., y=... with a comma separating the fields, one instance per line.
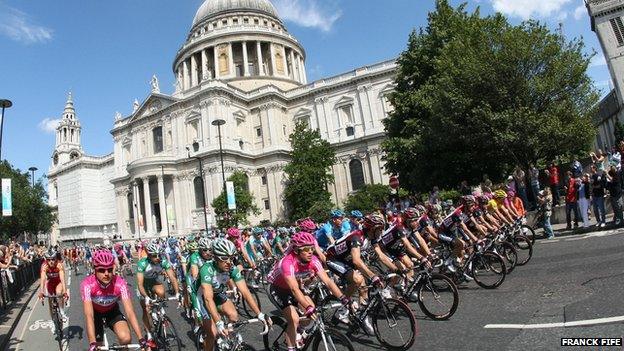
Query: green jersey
x=210, y=275
x=195, y=259
x=151, y=271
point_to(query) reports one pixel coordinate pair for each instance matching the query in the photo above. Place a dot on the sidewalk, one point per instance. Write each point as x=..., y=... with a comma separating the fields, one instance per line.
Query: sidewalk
x=560, y=228
x=12, y=315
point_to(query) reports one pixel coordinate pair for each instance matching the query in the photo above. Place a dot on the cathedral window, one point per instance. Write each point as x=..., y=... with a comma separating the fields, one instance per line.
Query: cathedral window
x=55, y=159
x=259, y=131
x=199, y=196
x=264, y=179
x=618, y=29
x=235, y=21
x=357, y=174
x=350, y=131
x=267, y=204
x=157, y=137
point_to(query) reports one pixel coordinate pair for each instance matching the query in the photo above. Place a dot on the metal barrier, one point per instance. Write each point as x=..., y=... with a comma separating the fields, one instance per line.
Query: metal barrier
x=22, y=278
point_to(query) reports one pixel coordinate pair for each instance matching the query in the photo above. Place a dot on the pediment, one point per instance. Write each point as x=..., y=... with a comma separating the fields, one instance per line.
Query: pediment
x=387, y=89
x=192, y=116
x=127, y=140
x=154, y=103
x=302, y=112
x=345, y=100
x=240, y=116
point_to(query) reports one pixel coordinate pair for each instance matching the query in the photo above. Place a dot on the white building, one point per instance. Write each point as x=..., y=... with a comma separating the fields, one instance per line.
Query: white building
x=238, y=64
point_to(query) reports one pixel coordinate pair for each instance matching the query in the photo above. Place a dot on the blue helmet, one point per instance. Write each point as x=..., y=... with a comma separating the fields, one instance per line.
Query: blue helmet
x=336, y=214
x=257, y=231
x=173, y=241
x=357, y=214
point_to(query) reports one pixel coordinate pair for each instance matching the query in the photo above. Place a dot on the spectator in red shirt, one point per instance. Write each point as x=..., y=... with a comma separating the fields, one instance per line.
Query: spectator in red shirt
x=571, y=200
x=553, y=182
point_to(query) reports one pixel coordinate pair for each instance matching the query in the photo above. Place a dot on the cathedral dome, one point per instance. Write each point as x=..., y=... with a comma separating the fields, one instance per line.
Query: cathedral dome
x=211, y=8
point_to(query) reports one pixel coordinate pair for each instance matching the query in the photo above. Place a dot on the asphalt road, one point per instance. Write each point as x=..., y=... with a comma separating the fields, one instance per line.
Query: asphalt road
x=571, y=279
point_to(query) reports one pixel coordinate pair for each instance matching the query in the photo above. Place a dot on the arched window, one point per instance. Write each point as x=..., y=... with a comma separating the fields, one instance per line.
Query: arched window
x=357, y=174
x=199, y=194
x=157, y=137
x=130, y=206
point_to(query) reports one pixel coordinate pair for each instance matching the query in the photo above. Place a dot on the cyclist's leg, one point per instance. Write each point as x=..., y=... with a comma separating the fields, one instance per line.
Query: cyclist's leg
x=229, y=310
x=159, y=290
x=60, y=300
x=355, y=281
x=120, y=326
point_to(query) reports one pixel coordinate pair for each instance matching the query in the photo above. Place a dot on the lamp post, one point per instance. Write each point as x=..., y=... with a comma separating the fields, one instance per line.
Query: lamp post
x=201, y=175
x=4, y=103
x=32, y=172
x=219, y=123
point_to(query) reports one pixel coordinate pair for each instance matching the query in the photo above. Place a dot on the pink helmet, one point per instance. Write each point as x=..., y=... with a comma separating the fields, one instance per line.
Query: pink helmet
x=302, y=239
x=306, y=225
x=103, y=258
x=233, y=233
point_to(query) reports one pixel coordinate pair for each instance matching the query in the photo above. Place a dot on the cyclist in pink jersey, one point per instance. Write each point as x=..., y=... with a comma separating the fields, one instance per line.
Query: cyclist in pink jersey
x=101, y=293
x=288, y=277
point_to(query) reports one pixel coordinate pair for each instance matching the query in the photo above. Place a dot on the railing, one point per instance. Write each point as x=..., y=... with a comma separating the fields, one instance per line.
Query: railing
x=12, y=287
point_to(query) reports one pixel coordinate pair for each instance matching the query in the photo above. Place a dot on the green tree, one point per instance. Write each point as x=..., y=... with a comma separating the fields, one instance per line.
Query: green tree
x=245, y=205
x=618, y=131
x=368, y=198
x=308, y=173
x=478, y=95
x=31, y=213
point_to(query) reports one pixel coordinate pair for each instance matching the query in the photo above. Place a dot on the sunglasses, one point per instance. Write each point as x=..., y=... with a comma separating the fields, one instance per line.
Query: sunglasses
x=105, y=270
x=306, y=249
x=225, y=259
x=154, y=256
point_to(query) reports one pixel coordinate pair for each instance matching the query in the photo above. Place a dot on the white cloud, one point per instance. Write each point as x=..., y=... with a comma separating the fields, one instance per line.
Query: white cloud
x=526, y=9
x=19, y=26
x=598, y=60
x=308, y=13
x=580, y=12
x=48, y=125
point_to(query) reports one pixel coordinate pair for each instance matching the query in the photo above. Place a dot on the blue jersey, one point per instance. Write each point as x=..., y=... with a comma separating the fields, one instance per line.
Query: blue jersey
x=173, y=255
x=328, y=230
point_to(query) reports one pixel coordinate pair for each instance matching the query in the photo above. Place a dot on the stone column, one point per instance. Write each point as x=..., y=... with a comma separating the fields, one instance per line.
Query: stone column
x=177, y=204
x=216, y=62
x=193, y=71
x=161, y=204
x=204, y=65
x=148, y=207
x=245, y=60
x=272, y=53
x=231, y=60
x=284, y=61
x=299, y=63
x=259, y=54
x=293, y=70
x=303, y=71
x=136, y=205
x=185, y=75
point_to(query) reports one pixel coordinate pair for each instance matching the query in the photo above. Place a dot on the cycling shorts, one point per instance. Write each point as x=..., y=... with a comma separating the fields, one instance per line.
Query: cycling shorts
x=51, y=286
x=219, y=300
x=396, y=254
x=282, y=298
x=108, y=319
x=339, y=268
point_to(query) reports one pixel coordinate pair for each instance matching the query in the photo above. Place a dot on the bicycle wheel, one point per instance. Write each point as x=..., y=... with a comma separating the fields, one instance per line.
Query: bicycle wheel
x=528, y=232
x=167, y=336
x=394, y=324
x=275, y=339
x=58, y=325
x=488, y=270
x=438, y=297
x=524, y=248
x=246, y=308
x=509, y=255
x=332, y=341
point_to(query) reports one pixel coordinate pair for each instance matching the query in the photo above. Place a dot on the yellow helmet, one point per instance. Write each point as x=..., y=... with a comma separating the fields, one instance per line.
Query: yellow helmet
x=500, y=194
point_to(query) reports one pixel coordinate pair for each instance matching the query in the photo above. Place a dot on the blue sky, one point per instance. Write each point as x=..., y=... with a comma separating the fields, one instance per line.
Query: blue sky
x=106, y=52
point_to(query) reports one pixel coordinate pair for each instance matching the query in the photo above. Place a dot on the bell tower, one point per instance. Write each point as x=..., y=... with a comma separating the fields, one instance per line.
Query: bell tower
x=67, y=146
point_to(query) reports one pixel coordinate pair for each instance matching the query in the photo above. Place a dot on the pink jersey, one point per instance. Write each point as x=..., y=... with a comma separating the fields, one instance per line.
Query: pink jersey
x=103, y=298
x=290, y=266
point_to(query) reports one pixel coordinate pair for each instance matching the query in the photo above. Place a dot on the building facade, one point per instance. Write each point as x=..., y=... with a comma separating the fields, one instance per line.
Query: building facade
x=239, y=64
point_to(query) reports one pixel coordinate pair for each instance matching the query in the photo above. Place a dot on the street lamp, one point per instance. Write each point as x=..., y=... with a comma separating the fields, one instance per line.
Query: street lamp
x=4, y=103
x=201, y=175
x=219, y=123
x=32, y=172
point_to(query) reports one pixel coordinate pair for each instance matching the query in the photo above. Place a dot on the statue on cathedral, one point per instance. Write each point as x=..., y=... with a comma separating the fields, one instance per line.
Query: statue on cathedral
x=135, y=106
x=117, y=116
x=155, y=86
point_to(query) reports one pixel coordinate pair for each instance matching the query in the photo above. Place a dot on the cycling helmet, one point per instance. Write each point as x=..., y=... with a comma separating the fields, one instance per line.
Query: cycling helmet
x=50, y=254
x=373, y=220
x=103, y=258
x=233, y=233
x=152, y=248
x=511, y=193
x=420, y=208
x=357, y=214
x=500, y=194
x=483, y=199
x=282, y=231
x=257, y=231
x=204, y=244
x=336, y=214
x=306, y=225
x=302, y=239
x=222, y=247
x=117, y=247
x=411, y=213
x=173, y=241
x=192, y=246
x=468, y=199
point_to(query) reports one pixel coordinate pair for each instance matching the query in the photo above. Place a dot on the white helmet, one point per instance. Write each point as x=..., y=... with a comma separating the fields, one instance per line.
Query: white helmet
x=222, y=247
x=204, y=243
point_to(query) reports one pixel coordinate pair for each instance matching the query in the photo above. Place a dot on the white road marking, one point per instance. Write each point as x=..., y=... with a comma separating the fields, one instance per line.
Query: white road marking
x=69, y=280
x=557, y=325
x=32, y=309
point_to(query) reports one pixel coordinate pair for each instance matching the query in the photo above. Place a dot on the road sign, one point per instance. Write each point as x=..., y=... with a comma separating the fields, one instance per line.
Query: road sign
x=231, y=197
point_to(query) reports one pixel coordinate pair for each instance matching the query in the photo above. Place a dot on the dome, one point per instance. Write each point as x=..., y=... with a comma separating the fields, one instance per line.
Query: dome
x=211, y=8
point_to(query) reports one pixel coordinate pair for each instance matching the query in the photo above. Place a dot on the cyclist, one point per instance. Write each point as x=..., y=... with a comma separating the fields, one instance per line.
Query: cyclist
x=215, y=276
x=290, y=275
x=200, y=253
x=334, y=229
x=257, y=246
x=149, y=280
x=100, y=294
x=355, y=219
x=279, y=243
x=52, y=281
x=418, y=223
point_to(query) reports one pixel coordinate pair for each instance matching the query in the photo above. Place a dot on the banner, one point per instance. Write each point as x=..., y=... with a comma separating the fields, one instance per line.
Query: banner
x=231, y=198
x=7, y=205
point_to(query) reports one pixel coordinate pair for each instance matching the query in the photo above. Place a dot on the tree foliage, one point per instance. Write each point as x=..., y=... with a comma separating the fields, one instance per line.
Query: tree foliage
x=478, y=95
x=245, y=204
x=31, y=213
x=368, y=198
x=618, y=131
x=308, y=173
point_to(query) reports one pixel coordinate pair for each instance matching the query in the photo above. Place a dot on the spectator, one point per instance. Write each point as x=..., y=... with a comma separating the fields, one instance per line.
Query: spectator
x=535, y=184
x=598, y=160
x=553, y=182
x=519, y=177
x=577, y=169
x=598, y=185
x=511, y=184
x=615, y=192
x=571, y=200
x=464, y=188
x=546, y=200
x=434, y=198
x=486, y=185
x=584, y=191
x=615, y=159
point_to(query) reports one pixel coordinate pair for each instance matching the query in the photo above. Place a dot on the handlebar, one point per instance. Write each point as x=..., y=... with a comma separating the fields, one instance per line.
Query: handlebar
x=232, y=326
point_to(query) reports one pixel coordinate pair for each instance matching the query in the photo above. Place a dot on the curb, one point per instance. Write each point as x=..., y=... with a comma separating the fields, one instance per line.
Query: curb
x=5, y=342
